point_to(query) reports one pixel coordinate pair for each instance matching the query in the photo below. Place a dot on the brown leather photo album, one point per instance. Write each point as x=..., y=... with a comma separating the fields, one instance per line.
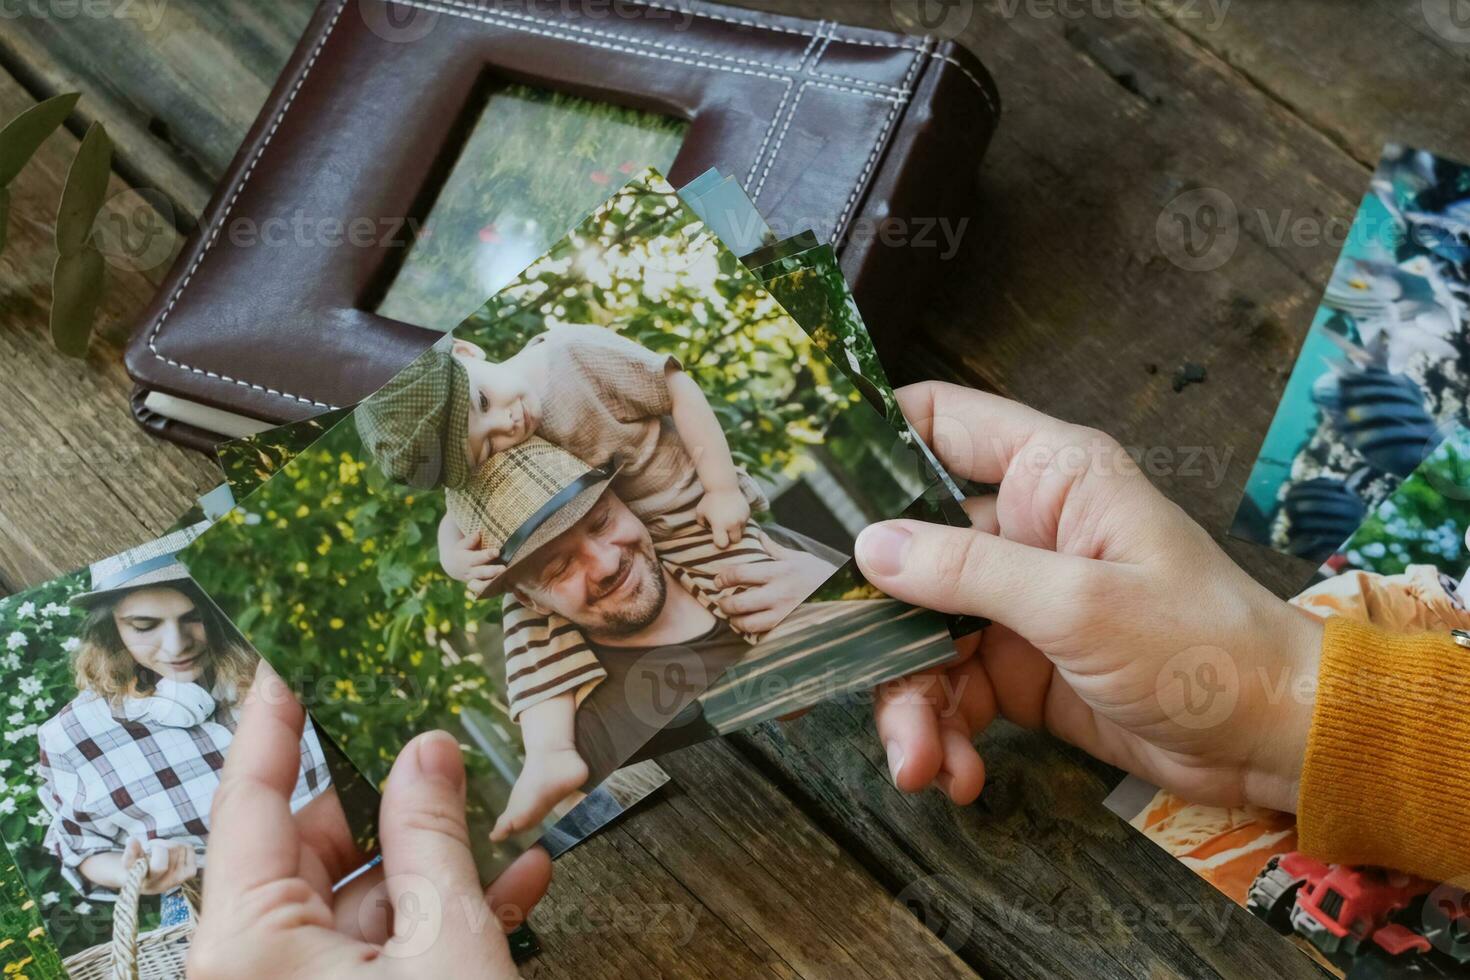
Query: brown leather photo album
x=416, y=154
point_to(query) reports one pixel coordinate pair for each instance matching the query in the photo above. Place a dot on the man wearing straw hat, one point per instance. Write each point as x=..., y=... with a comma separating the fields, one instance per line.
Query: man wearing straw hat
x=573, y=548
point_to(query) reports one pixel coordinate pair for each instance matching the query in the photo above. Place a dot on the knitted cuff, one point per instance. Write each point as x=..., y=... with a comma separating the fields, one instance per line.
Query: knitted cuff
x=1386, y=779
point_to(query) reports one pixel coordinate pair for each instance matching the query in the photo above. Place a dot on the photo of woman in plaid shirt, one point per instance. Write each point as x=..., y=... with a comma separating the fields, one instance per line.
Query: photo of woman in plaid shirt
x=131, y=764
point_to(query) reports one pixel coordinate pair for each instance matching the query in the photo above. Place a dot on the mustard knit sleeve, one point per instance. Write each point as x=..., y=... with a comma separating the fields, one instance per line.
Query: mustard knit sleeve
x=1386, y=780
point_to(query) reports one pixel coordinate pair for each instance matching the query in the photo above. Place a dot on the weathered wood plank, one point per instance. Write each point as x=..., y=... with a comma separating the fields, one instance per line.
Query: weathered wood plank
x=721, y=876
x=177, y=84
x=1035, y=880
x=1364, y=75
x=81, y=480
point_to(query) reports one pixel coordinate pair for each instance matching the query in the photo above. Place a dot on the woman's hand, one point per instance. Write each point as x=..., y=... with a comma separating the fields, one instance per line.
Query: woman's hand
x=1120, y=626
x=170, y=863
x=269, y=909
x=773, y=589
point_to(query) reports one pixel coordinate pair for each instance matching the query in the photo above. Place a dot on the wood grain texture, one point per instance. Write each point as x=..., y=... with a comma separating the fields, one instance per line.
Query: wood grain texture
x=721, y=876
x=787, y=848
x=79, y=479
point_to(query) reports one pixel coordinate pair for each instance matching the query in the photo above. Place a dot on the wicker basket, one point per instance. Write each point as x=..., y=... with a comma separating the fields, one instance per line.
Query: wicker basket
x=156, y=955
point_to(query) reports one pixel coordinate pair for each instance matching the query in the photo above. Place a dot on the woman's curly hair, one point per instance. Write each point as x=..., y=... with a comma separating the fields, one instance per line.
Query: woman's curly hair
x=104, y=666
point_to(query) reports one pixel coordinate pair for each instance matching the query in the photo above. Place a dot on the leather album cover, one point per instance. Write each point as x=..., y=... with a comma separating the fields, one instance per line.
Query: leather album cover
x=870, y=139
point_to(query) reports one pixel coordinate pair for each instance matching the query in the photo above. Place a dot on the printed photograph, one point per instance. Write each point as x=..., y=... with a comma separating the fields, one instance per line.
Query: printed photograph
x=555, y=529
x=1401, y=570
x=124, y=687
x=500, y=207
x=1385, y=366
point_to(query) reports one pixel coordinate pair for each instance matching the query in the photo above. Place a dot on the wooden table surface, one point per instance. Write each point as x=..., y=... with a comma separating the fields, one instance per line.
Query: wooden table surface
x=786, y=852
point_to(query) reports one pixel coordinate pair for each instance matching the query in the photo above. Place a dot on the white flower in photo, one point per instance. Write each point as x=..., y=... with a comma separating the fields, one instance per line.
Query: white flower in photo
x=13, y=735
x=54, y=609
x=84, y=908
x=43, y=704
x=10, y=662
x=38, y=820
x=4, y=764
x=7, y=805
x=30, y=685
x=71, y=645
x=17, y=718
x=50, y=898
x=15, y=640
x=27, y=610
x=17, y=700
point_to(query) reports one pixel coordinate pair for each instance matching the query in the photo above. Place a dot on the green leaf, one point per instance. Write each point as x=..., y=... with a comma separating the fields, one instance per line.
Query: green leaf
x=85, y=191
x=76, y=290
x=4, y=215
x=23, y=135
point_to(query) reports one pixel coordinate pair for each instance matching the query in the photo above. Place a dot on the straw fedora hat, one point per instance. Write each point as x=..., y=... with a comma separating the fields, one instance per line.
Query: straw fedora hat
x=153, y=563
x=525, y=497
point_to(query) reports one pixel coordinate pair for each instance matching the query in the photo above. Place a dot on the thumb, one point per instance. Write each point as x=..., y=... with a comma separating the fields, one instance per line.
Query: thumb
x=962, y=570
x=440, y=918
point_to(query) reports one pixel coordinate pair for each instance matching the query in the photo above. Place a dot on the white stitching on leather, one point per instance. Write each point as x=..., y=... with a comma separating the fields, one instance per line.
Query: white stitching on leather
x=472, y=7
x=778, y=28
x=841, y=226
x=899, y=99
x=822, y=29
x=770, y=131
x=776, y=153
x=984, y=91
x=834, y=76
x=779, y=73
x=214, y=235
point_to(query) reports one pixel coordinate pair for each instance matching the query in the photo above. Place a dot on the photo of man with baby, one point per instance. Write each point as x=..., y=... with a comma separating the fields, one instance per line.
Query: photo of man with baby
x=551, y=533
x=124, y=688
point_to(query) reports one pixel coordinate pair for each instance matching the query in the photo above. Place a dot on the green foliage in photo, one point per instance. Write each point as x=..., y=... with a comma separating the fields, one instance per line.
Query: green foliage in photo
x=1424, y=521
x=38, y=632
x=535, y=164
x=25, y=949
x=646, y=266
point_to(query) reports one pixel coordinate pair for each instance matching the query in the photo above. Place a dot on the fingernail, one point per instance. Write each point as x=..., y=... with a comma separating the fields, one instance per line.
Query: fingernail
x=880, y=549
x=439, y=756
x=895, y=760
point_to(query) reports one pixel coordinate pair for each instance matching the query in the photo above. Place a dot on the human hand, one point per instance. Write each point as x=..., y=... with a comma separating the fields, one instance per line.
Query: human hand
x=724, y=512
x=170, y=863
x=547, y=778
x=772, y=589
x=1120, y=626
x=269, y=909
x=465, y=559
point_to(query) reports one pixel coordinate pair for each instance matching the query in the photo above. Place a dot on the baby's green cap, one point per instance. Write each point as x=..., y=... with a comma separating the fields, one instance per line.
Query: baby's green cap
x=417, y=426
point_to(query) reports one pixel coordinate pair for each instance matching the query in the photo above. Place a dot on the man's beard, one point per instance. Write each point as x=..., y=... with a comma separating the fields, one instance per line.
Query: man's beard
x=641, y=608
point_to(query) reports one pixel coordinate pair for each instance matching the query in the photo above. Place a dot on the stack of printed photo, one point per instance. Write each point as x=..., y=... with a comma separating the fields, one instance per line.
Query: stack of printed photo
x=609, y=515
x=1366, y=469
